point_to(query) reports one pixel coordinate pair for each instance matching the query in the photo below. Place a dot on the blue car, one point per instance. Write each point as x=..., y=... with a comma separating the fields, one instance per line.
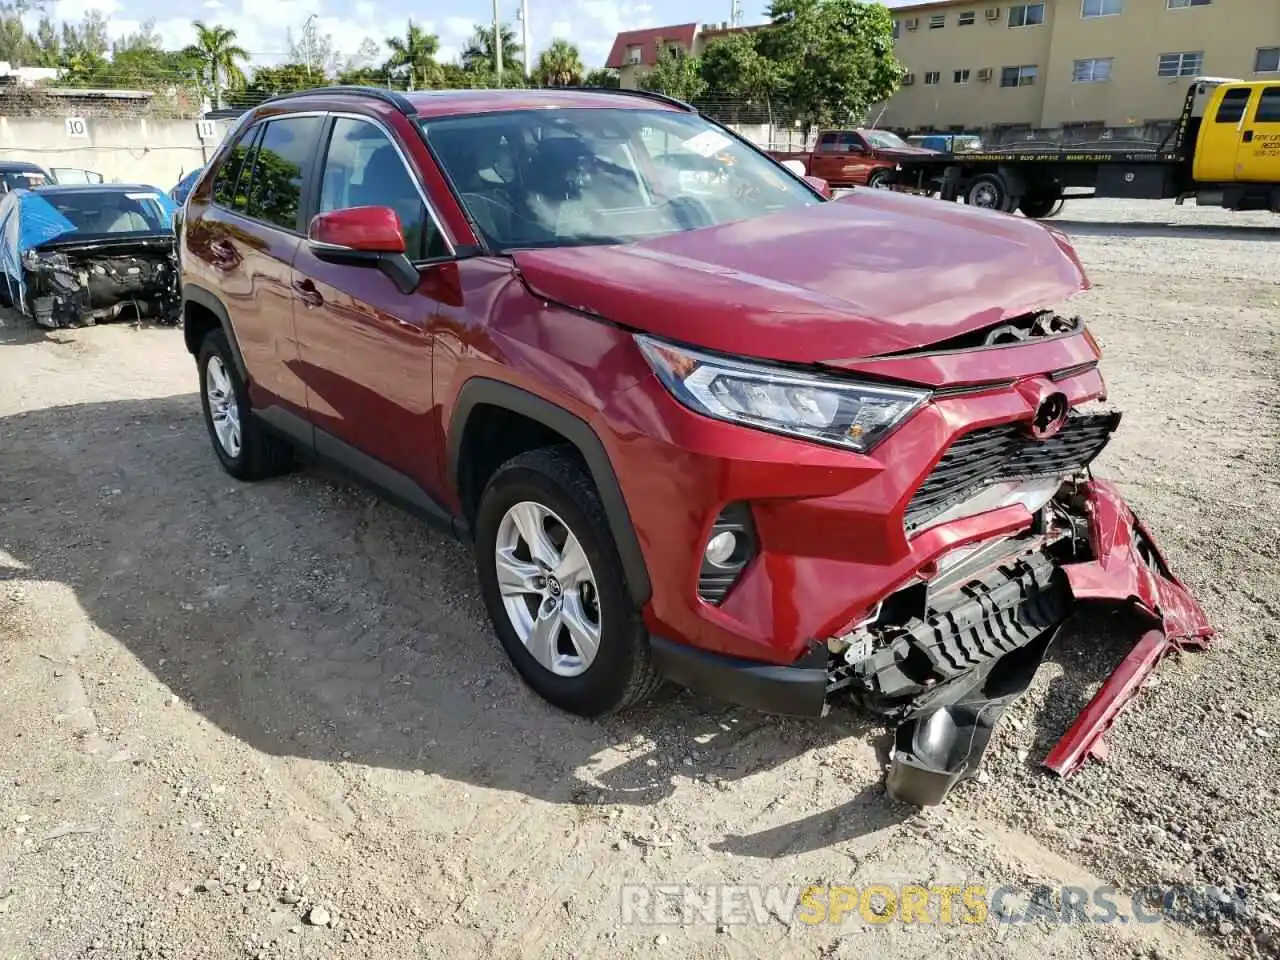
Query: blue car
x=179, y=193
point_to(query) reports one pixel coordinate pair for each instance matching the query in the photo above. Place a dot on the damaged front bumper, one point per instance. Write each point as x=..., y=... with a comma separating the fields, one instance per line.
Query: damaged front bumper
x=81, y=284
x=945, y=657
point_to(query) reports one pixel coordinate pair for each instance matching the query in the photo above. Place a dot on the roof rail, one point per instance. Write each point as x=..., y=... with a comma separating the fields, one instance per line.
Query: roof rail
x=647, y=94
x=397, y=100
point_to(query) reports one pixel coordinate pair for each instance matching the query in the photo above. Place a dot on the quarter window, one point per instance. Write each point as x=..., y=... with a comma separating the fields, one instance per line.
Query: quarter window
x=1101, y=8
x=1018, y=76
x=1096, y=70
x=1231, y=109
x=1180, y=64
x=286, y=148
x=363, y=169
x=1268, y=107
x=231, y=183
x=1026, y=15
x=1267, y=60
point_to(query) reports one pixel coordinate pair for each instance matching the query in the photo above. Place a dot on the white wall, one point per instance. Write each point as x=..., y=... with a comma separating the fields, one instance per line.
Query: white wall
x=151, y=152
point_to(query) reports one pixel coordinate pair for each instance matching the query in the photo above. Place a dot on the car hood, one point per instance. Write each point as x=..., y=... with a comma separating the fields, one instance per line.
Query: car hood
x=875, y=273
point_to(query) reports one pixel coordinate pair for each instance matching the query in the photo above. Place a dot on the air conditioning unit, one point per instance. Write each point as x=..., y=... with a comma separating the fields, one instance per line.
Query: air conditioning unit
x=985, y=74
x=992, y=13
x=909, y=79
x=911, y=23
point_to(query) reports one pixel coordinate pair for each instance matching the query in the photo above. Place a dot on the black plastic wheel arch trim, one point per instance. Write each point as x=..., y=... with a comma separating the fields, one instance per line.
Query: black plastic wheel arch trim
x=209, y=300
x=482, y=390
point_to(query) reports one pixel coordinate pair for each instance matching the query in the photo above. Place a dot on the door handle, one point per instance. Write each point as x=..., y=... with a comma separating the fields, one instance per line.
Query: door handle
x=1247, y=136
x=307, y=293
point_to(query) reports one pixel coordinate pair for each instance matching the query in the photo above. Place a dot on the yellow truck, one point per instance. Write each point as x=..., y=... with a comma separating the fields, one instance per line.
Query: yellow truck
x=1224, y=152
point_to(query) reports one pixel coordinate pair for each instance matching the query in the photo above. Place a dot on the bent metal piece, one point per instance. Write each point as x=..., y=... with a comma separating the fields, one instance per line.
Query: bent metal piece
x=1127, y=566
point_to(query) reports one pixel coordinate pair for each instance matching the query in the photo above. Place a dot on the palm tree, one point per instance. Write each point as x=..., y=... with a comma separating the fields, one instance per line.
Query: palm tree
x=559, y=66
x=478, y=55
x=219, y=57
x=413, y=57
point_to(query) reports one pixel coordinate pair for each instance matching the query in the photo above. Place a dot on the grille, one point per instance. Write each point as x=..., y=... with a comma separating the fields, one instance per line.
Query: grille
x=1007, y=452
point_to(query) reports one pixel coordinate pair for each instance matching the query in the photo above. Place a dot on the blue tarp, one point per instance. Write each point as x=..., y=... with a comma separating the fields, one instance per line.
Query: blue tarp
x=28, y=220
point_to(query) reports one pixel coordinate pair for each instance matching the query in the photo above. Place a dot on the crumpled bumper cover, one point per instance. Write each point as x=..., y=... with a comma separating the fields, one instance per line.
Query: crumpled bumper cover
x=937, y=748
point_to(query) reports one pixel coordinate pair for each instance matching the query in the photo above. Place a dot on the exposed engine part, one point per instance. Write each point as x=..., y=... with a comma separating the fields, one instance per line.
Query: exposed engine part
x=75, y=287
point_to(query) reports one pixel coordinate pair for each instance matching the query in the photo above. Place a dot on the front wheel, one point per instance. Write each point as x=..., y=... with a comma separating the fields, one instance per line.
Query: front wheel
x=554, y=587
x=881, y=179
x=988, y=191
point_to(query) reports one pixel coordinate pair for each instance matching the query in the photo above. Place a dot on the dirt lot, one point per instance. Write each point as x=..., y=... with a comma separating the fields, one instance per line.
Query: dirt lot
x=222, y=706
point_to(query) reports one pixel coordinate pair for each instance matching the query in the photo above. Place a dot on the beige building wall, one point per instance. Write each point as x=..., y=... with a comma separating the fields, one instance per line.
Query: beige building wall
x=989, y=44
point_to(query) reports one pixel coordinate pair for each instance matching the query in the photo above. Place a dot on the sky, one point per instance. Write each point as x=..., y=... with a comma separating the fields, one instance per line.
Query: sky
x=261, y=25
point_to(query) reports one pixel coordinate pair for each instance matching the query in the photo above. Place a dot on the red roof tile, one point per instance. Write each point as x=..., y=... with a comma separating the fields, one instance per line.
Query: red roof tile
x=647, y=41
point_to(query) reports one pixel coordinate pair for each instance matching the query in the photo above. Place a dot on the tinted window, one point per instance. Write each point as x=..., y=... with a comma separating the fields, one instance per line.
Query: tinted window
x=1269, y=106
x=1231, y=109
x=232, y=181
x=275, y=192
x=363, y=169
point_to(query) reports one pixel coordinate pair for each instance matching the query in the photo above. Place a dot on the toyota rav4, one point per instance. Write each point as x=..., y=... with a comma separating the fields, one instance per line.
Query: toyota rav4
x=700, y=423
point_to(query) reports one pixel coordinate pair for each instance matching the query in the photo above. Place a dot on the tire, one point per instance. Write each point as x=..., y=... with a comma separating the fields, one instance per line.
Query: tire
x=1040, y=207
x=988, y=191
x=620, y=672
x=259, y=453
x=881, y=179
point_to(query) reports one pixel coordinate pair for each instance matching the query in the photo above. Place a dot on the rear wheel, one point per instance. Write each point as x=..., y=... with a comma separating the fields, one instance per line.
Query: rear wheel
x=988, y=191
x=554, y=587
x=881, y=179
x=1040, y=207
x=244, y=446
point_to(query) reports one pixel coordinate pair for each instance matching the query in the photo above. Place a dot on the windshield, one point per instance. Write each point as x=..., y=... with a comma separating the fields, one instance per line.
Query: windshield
x=21, y=180
x=101, y=213
x=570, y=177
x=884, y=139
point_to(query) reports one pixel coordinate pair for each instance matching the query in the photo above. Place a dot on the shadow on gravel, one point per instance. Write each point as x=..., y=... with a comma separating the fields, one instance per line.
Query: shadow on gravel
x=1171, y=231
x=309, y=619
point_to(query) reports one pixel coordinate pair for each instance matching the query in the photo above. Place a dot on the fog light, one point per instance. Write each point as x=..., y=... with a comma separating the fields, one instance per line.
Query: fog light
x=720, y=547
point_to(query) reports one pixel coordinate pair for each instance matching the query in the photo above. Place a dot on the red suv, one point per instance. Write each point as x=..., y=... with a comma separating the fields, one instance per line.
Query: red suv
x=699, y=422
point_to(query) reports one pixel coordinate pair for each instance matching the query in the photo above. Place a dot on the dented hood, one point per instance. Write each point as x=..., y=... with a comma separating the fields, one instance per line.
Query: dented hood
x=873, y=273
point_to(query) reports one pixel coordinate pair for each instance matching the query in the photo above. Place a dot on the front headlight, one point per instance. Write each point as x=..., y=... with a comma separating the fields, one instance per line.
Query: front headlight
x=855, y=416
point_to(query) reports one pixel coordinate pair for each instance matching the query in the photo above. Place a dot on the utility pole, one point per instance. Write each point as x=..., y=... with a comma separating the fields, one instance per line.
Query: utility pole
x=524, y=36
x=497, y=44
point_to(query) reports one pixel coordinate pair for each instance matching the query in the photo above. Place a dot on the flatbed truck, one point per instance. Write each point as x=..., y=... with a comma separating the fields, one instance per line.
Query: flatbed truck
x=1223, y=152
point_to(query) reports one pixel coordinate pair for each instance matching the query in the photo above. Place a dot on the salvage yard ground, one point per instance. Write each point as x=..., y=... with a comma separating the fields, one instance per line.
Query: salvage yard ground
x=222, y=706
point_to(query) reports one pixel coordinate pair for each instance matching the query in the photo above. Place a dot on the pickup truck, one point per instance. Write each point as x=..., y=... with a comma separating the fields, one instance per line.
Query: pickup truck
x=846, y=158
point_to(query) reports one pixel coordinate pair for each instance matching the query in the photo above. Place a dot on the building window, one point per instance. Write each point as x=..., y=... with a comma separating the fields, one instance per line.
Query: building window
x=960, y=76
x=1018, y=76
x=1268, y=107
x=1101, y=8
x=1267, y=60
x=1097, y=70
x=932, y=78
x=1183, y=4
x=1180, y=64
x=1026, y=15
x=633, y=54
x=967, y=18
x=897, y=28
x=937, y=21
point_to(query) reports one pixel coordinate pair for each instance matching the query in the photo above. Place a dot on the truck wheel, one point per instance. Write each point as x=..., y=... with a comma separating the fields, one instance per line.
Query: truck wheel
x=988, y=191
x=881, y=179
x=1040, y=207
x=554, y=587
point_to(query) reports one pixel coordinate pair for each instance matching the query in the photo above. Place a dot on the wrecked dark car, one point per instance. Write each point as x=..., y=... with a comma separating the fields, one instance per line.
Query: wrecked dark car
x=77, y=255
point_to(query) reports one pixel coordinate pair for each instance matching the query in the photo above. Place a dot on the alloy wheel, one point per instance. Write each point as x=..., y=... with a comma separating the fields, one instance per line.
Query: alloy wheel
x=548, y=589
x=224, y=410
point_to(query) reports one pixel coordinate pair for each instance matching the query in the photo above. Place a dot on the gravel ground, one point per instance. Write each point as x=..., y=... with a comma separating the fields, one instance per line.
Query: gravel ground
x=271, y=721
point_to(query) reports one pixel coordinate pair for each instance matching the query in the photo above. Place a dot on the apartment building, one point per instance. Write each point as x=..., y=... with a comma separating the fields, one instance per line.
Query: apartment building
x=1043, y=64
x=1055, y=63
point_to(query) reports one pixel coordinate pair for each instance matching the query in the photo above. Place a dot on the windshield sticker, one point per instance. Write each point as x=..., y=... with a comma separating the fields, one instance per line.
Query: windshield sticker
x=707, y=143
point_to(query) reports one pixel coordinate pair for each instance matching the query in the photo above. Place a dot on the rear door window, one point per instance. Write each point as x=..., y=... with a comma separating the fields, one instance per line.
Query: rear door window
x=1231, y=109
x=231, y=183
x=279, y=168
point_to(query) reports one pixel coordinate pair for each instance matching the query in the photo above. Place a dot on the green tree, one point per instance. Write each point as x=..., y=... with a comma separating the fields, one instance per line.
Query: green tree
x=739, y=78
x=413, y=59
x=677, y=74
x=269, y=81
x=559, y=65
x=478, y=55
x=602, y=77
x=834, y=58
x=49, y=42
x=219, y=57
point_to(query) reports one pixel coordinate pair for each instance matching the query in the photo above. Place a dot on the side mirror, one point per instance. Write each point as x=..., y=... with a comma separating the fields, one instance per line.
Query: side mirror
x=364, y=237
x=820, y=185
x=796, y=166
